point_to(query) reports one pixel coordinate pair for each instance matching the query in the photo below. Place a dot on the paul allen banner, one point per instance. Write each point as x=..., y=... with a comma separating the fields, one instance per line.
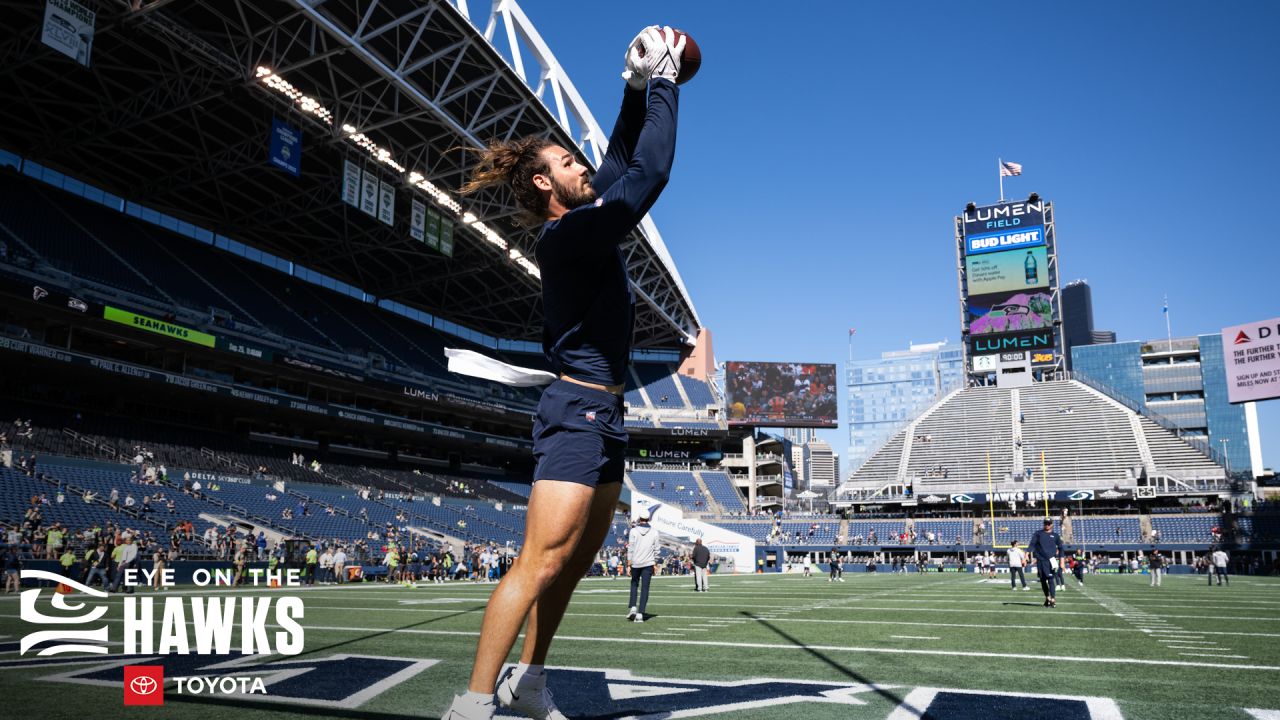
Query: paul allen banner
x=159, y=327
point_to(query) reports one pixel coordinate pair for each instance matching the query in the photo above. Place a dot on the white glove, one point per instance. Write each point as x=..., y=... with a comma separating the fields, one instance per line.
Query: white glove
x=663, y=53
x=636, y=73
x=657, y=54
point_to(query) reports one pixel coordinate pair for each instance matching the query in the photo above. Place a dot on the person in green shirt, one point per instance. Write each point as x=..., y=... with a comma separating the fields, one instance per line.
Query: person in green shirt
x=68, y=559
x=54, y=541
x=310, y=575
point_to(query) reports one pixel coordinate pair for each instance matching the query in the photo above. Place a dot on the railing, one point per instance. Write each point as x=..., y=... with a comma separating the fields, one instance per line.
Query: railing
x=1195, y=442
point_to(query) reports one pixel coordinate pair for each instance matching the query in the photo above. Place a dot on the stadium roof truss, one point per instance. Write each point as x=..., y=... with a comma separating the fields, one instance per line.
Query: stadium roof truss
x=176, y=110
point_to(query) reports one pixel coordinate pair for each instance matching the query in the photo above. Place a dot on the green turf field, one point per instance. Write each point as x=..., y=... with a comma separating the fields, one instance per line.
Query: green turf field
x=768, y=646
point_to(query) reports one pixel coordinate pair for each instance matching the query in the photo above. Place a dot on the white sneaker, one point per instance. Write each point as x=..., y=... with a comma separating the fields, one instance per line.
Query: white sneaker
x=528, y=697
x=631, y=614
x=639, y=618
x=1024, y=587
x=463, y=709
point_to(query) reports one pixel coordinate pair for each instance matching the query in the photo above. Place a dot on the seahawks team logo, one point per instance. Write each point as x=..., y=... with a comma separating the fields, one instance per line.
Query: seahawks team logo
x=961, y=498
x=1081, y=495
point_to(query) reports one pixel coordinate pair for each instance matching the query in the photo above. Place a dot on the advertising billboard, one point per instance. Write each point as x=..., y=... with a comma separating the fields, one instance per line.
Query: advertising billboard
x=1010, y=312
x=1039, y=342
x=1004, y=227
x=781, y=394
x=1251, y=355
x=1008, y=271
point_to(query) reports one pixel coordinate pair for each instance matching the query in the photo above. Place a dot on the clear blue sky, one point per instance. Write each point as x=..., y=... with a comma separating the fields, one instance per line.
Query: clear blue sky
x=825, y=147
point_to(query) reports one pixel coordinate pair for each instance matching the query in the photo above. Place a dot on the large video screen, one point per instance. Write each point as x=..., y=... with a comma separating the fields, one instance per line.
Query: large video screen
x=781, y=394
x=1010, y=312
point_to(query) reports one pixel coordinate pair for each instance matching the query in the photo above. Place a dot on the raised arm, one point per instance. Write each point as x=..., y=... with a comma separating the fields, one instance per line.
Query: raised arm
x=622, y=142
x=621, y=206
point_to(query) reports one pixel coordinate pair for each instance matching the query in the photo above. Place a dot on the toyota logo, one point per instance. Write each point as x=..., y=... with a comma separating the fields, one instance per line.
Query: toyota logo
x=143, y=685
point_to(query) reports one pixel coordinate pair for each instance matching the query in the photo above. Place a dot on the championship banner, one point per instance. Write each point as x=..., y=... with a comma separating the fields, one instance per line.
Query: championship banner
x=386, y=203
x=68, y=28
x=159, y=327
x=417, y=220
x=350, y=183
x=286, y=147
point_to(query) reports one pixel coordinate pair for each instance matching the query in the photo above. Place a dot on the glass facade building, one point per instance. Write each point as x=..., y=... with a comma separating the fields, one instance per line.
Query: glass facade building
x=887, y=394
x=1183, y=380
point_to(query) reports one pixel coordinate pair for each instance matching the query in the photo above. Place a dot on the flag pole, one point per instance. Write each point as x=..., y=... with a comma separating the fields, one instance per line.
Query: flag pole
x=1168, y=328
x=999, y=174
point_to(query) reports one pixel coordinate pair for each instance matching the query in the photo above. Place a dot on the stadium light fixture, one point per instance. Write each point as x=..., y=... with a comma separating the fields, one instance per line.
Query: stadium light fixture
x=970, y=206
x=1033, y=197
x=313, y=107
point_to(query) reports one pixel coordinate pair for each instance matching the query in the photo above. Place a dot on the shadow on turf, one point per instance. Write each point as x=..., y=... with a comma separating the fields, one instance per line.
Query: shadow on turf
x=313, y=651
x=898, y=701
x=322, y=711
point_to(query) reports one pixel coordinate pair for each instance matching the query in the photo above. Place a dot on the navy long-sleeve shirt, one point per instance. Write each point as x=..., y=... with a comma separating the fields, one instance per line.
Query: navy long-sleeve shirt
x=1045, y=544
x=586, y=295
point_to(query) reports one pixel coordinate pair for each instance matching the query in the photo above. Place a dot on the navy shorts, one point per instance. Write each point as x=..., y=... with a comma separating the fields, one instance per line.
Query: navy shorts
x=578, y=435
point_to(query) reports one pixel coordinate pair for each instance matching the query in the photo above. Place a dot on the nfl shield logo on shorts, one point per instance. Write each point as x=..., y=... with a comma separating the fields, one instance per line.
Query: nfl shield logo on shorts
x=591, y=416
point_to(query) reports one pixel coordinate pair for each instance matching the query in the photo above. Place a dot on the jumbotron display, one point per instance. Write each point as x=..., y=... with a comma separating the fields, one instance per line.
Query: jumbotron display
x=781, y=394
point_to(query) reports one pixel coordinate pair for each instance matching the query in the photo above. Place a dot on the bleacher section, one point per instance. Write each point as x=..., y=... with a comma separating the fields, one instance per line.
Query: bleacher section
x=678, y=487
x=723, y=491
x=699, y=392
x=1086, y=441
x=964, y=432
x=1186, y=528
x=659, y=385
x=92, y=242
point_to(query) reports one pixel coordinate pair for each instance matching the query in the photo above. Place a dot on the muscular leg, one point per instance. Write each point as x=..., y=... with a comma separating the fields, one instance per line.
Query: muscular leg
x=553, y=527
x=549, y=609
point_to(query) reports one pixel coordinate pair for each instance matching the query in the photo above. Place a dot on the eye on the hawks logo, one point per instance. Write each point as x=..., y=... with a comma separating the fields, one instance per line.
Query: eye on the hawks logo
x=1242, y=338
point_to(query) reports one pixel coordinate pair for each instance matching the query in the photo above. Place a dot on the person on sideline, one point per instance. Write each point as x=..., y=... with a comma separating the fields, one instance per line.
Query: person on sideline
x=1017, y=558
x=701, y=559
x=642, y=555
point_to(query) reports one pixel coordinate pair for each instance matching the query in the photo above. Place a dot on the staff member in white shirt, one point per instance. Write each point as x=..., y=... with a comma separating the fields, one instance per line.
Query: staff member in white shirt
x=642, y=553
x=1017, y=559
x=340, y=566
x=1219, y=560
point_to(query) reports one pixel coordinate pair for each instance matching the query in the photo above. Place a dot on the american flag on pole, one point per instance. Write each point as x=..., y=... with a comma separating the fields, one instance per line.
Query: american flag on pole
x=852, y=331
x=1009, y=169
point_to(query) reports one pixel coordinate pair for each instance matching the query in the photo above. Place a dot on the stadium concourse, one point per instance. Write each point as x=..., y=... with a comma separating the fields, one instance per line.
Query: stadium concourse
x=224, y=349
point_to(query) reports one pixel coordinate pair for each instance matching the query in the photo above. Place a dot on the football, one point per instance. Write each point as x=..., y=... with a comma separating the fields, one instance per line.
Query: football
x=690, y=61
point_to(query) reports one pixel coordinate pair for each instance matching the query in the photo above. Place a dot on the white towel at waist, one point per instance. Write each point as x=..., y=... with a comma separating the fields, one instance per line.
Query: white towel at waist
x=468, y=362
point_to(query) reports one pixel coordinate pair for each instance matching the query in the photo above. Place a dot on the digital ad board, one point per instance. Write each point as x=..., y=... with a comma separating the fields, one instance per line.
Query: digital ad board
x=1008, y=293
x=1251, y=355
x=781, y=394
x=1008, y=271
x=1004, y=227
x=1010, y=312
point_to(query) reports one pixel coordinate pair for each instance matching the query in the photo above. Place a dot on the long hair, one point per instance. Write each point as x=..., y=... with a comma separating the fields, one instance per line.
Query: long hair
x=513, y=163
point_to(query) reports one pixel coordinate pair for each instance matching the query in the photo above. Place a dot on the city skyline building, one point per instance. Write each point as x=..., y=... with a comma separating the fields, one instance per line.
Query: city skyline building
x=887, y=393
x=1182, y=381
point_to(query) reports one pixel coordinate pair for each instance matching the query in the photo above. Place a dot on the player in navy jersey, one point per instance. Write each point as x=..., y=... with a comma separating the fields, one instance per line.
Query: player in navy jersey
x=578, y=433
x=1046, y=549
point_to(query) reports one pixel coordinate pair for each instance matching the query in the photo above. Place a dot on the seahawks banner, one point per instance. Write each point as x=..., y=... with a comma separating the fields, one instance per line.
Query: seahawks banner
x=1063, y=495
